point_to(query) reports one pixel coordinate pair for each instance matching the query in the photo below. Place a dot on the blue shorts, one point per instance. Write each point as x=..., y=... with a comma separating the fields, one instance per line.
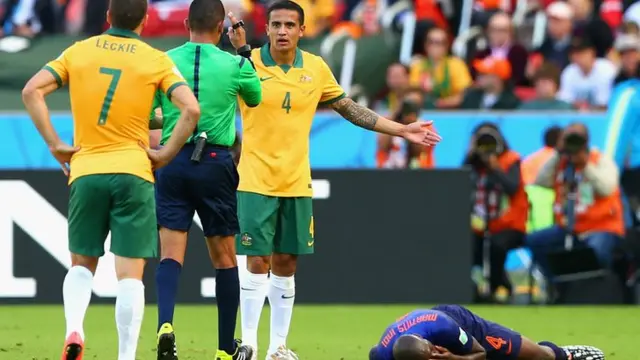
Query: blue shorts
x=209, y=188
x=499, y=342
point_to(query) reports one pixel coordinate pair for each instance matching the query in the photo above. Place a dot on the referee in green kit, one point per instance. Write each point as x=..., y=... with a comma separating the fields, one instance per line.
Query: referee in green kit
x=203, y=178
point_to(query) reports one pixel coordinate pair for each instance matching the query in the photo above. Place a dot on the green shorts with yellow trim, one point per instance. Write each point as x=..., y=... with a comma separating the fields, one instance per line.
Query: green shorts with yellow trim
x=121, y=203
x=272, y=224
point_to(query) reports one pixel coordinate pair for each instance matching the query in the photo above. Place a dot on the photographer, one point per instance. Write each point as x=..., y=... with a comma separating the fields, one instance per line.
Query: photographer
x=397, y=153
x=500, y=205
x=587, y=199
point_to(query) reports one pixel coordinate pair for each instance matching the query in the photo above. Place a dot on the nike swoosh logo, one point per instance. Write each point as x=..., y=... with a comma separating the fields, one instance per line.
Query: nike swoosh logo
x=266, y=78
x=310, y=243
x=245, y=289
x=288, y=297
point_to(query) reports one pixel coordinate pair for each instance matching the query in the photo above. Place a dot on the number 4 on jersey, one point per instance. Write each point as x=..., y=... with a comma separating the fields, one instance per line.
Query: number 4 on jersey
x=495, y=342
x=286, y=103
x=108, y=98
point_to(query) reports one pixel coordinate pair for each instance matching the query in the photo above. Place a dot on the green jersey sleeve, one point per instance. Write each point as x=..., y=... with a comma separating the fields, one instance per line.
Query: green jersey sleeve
x=250, y=89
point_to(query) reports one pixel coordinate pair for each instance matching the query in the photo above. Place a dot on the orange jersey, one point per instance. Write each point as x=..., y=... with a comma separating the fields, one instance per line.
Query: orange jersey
x=112, y=81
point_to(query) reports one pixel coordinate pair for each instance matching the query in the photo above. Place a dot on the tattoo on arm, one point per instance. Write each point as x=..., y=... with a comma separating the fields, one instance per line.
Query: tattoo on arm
x=355, y=113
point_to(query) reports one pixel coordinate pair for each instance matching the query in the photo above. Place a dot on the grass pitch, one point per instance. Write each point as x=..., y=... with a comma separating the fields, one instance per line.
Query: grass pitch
x=318, y=332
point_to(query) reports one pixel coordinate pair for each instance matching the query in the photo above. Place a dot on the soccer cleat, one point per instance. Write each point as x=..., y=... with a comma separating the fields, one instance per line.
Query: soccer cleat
x=243, y=352
x=73, y=347
x=583, y=352
x=167, y=349
x=282, y=354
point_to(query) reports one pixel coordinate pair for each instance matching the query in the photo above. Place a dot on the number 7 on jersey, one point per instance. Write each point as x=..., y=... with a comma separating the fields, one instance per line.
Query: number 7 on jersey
x=108, y=98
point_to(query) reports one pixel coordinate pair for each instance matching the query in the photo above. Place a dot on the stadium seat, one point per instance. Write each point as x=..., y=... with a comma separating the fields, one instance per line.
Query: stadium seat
x=525, y=93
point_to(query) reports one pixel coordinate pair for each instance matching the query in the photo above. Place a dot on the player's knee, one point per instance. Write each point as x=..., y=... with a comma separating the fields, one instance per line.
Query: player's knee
x=129, y=268
x=173, y=244
x=258, y=264
x=284, y=264
x=222, y=251
x=88, y=262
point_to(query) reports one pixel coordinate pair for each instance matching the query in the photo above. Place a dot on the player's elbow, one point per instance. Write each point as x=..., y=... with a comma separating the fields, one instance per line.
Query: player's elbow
x=29, y=92
x=193, y=112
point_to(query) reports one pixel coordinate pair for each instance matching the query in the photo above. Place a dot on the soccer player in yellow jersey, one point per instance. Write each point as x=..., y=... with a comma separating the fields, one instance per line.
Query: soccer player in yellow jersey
x=112, y=81
x=274, y=194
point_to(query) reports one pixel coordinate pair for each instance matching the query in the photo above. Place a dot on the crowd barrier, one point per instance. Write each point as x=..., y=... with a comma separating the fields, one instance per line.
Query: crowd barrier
x=409, y=245
x=335, y=143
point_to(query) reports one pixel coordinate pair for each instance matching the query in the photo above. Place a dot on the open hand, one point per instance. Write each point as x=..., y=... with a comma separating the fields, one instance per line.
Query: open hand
x=421, y=133
x=238, y=36
x=441, y=353
x=63, y=153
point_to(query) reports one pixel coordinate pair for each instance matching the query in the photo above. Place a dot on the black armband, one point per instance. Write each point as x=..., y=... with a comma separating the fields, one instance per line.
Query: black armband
x=244, y=51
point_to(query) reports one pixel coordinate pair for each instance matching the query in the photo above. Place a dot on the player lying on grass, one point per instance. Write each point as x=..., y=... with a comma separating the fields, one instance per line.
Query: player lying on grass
x=455, y=333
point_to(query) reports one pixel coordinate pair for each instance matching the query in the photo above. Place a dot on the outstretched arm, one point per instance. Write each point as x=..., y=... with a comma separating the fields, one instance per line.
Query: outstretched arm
x=417, y=132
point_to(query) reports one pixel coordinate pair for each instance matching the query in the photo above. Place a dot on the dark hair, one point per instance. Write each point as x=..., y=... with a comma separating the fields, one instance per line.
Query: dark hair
x=548, y=71
x=492, y=126
x=552, y=135
x=205, y=15
x=286, y=5
x=410, y=347
x=127, y=14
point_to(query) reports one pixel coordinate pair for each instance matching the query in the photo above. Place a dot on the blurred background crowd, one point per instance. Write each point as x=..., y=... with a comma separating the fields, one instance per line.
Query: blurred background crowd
x=410, y=57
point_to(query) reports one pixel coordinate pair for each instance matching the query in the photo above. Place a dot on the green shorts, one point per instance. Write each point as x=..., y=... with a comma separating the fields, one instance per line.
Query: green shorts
x=270, y=224
x=121, y=203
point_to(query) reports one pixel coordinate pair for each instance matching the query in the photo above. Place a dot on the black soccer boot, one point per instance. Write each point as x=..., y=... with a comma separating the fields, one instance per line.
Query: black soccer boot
x=583, y=352
x=167, y=349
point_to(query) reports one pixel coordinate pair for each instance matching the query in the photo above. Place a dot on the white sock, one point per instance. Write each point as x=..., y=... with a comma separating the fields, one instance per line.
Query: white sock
x=282, y=292
x=253, y=290
x=129, y=312
x=76, y=294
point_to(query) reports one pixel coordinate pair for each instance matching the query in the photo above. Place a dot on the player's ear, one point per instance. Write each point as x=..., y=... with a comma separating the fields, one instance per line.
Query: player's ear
x=144, y=21
x=186, y=24
x=221, y=27
x=302, y=27
x=109, y=17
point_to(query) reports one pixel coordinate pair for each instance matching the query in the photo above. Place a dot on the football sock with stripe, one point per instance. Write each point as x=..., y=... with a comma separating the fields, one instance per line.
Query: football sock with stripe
x=282, y=293
x=228, y=301
x=167, y=276
x=76, y=292
x=129, y=313
x=560, y=353
x=253, y=291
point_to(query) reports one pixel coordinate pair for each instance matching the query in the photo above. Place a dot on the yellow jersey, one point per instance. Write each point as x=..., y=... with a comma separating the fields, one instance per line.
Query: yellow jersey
x=112, y=81
x=275, y=139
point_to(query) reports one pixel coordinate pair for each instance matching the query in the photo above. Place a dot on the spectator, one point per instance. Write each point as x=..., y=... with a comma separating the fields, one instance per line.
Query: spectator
x=533, y=163
x=633, y=14
x=587, y=200
x=592, y=27
x=546, y=81
x=586, y=82
x=493, y=91
x=500, y=206
x=442, y=77
x=397, y=153
x=628, y=46
x=501, y=45
x=555, y=47
x=630, y=28
x=397, y=86
x=20, y=19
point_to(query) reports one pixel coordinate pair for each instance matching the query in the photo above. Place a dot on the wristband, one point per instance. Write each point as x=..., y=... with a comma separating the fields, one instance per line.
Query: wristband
x=244, y=51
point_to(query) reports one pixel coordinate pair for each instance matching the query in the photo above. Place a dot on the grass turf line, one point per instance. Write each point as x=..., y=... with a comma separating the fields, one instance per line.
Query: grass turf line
x=318, y=332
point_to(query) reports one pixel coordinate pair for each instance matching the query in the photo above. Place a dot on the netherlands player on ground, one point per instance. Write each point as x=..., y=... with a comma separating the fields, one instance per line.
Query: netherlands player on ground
x=274, y=194
x=453, y=332
x=112, y=80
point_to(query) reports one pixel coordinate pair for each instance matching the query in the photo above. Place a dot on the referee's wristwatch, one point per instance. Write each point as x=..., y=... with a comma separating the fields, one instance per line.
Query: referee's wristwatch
x=244, y=50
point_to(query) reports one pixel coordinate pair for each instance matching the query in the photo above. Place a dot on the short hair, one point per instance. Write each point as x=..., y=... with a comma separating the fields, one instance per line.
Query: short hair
x=551, y=136
x=548, y=71
x=127, y=14
x=205, y=15
x=410, y=347
x=286, y=5
x=630, y=27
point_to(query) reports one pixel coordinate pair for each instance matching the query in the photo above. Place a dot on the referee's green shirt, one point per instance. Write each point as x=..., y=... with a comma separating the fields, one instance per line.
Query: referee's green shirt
x=217, y=78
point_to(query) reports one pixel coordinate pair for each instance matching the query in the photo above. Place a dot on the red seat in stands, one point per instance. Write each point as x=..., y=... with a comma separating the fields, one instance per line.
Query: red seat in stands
x=525, y=93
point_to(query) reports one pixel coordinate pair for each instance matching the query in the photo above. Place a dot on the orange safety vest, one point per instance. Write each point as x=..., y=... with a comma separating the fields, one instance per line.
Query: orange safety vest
x=505, y=212
x=593, y=212
x=532, y=164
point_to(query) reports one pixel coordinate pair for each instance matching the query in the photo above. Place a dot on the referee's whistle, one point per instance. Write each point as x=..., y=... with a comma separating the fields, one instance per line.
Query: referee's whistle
x=201, y=142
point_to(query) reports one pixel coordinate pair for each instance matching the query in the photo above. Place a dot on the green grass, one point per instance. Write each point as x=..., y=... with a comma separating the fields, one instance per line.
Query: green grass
x=318, y=332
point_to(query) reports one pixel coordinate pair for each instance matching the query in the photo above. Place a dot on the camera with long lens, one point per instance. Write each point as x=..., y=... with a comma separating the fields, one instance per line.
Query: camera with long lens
x=488, y=142
x=574, y=143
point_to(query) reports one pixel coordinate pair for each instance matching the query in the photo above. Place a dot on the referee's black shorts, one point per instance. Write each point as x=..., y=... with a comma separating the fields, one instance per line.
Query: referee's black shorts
x=209, y=188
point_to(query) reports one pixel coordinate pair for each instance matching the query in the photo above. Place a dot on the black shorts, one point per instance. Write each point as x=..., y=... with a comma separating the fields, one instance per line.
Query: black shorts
x=209, y=188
